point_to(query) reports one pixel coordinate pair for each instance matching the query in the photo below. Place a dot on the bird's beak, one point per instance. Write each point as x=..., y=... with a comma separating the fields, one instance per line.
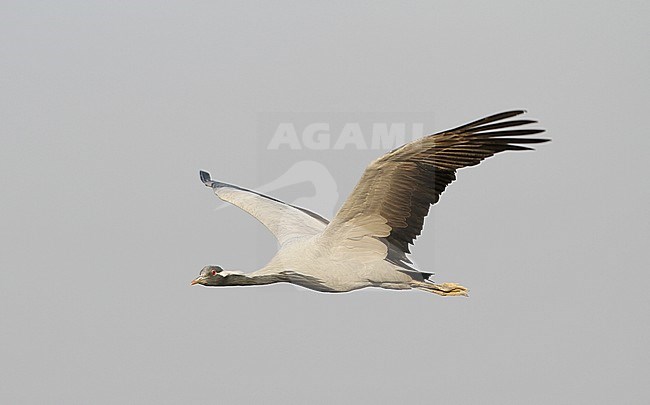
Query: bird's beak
x=196, y=281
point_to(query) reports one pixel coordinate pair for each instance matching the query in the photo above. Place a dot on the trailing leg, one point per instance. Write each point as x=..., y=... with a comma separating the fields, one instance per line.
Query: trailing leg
x=443, y=289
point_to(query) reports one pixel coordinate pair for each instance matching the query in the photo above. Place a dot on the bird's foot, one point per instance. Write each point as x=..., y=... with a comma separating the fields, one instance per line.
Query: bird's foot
x=444, y=289
x=452, y=289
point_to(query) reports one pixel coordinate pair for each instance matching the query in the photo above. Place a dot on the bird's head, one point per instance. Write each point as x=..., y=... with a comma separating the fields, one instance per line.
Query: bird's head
x=210, y=276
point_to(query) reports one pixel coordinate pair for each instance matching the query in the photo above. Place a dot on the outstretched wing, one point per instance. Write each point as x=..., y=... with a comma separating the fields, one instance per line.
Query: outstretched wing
x=395, y=192
x=287, y=222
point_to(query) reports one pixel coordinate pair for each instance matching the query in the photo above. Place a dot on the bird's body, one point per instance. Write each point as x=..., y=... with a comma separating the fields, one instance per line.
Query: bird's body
x=366, y=243
x=311, y=262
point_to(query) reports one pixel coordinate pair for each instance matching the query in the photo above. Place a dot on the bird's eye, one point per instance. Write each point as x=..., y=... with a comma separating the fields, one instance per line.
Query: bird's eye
x=214, y=272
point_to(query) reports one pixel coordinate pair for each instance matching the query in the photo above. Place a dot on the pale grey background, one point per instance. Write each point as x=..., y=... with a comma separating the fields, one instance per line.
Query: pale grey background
x=109, y=109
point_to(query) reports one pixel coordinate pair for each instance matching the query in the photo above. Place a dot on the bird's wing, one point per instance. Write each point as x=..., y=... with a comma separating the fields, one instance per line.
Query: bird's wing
x=285, y=221
x=396, y=190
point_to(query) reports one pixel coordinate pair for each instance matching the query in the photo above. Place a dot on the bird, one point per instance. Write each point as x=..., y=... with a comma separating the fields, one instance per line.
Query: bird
x=367, y=242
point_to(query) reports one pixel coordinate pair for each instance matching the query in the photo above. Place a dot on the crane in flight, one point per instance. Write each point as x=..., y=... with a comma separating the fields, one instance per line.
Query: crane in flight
x=367, y=242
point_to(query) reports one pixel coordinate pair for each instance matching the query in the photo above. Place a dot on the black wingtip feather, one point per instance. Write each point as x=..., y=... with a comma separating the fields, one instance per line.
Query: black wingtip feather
x=505, y=124
x=515, y=140
x=513, y=132
x=500, y=133
x=205, y=178
x=491, y=118
x=518, y=147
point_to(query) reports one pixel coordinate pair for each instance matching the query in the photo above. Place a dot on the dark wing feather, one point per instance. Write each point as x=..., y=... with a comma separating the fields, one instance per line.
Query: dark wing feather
x=401, y=185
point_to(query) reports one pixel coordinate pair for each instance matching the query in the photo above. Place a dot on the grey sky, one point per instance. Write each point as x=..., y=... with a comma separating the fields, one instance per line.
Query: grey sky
x=108, y=111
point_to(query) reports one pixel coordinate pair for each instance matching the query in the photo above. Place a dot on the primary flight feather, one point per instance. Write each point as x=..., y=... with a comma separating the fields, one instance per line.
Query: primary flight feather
x=367, y=242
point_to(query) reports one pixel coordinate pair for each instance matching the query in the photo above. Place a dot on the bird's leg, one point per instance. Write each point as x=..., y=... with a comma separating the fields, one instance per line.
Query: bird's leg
x=444, y=289
x=450, y=289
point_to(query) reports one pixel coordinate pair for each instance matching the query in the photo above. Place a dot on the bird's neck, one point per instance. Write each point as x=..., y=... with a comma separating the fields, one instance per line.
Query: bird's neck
x=250, y=279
